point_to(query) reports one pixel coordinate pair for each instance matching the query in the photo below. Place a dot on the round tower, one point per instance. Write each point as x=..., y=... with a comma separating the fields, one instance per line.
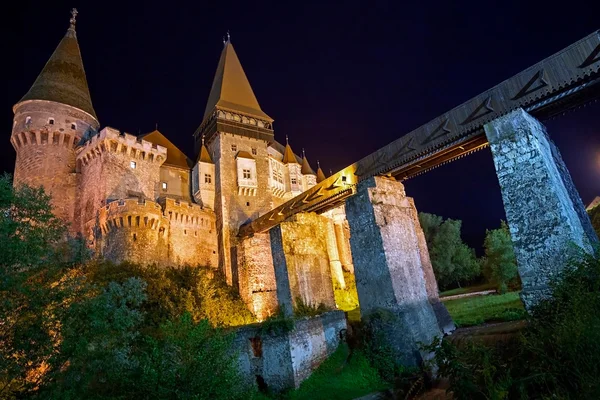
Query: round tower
x=48, y=124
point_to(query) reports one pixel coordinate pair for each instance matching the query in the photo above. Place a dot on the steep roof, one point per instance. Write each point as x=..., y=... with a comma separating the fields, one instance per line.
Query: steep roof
x=175, y=157
x=306, y=168
x=320, y=175
x=204, y=156
x=63, y=78
x=281, y=149
x=231, y=89
x=289, y=156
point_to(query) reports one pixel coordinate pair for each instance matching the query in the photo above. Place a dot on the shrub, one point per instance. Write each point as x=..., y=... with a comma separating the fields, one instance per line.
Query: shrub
x=309, y=310
x=500, y=263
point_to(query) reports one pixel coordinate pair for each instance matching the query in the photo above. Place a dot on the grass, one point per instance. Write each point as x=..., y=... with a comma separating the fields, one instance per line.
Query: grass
x=336, y=380
x=470, y=289
x=476, y=310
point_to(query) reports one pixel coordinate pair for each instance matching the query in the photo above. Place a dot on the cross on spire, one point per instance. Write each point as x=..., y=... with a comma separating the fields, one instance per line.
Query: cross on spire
x=203, y=139
x=287, y=139
x=303, y=153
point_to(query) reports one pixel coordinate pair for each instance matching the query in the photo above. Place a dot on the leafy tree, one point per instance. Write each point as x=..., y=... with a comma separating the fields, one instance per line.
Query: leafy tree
x=500, y=263
x=35, y=286
x=454, y=263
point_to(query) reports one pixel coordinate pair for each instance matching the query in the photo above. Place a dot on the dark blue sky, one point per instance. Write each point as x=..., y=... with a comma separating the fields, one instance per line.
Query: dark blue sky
x=341, y=79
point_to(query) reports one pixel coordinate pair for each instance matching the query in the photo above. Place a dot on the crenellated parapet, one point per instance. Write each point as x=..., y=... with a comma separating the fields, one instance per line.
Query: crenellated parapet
x=132, y=230
x=113, y=141
x=192, y=234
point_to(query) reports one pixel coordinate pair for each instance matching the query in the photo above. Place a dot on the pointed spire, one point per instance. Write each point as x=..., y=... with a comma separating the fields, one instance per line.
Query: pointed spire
x=62, y=79
x=306, y=168
x=204, y=156
x=288, y=154
x=320, y=174
x=231, y=90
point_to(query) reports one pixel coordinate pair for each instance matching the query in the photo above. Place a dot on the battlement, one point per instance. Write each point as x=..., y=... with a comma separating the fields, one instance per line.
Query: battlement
x=113, y=141
x=130, y=213
x=188, y=214
x=43, y=136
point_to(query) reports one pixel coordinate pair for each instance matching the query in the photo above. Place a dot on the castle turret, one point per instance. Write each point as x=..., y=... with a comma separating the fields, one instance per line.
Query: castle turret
x=203, y=179
x=309, y=177
x=49, y=122
x=320, y=175
x=294, y=170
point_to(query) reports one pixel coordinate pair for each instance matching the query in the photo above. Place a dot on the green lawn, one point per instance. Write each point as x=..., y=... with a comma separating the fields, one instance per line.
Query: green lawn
x=335, y=380
x=470, y=289
x=476, y=310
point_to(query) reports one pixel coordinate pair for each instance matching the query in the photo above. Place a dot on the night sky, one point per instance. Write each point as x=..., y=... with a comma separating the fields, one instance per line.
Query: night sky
x=341, y=79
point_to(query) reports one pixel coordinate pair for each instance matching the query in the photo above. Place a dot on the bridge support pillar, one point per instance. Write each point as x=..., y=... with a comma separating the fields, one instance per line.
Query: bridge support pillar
x=544, y=211
x=391, y=284
x=256, y=275
x=301, y=261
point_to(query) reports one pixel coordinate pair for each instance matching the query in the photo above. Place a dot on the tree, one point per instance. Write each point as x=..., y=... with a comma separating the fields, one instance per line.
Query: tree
x=500, y=263
x=454, y=263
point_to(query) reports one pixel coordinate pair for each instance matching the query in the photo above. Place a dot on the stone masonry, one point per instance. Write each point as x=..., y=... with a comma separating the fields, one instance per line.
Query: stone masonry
x=391, y=284
x=545, y=214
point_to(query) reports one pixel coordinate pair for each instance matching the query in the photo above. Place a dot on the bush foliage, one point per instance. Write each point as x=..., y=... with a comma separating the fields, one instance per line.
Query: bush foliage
x=500, y=263
x=557, y=355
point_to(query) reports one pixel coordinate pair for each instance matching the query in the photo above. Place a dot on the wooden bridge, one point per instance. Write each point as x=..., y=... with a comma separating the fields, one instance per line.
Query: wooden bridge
x=561, y=82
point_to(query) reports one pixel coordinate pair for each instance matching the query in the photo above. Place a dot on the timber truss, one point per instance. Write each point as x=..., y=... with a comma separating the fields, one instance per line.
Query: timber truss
x=561, y=82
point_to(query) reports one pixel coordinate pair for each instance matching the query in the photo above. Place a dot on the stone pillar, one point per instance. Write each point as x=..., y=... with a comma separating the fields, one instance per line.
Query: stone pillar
x=543, y=209
x=334, y=257
x=256, y=275
x=342, y=234
x=442, y=315
x=299, y=249
x=390, y=281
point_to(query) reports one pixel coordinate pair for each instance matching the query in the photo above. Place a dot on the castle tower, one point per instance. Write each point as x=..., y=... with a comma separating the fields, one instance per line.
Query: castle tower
x=236, y=133
x=294, y=184
x=320, y=175
x=49, y=122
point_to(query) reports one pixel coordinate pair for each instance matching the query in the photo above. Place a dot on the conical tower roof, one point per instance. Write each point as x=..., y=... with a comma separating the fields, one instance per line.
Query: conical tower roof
x=320, y=174
x=63, y=78
x=231, y=90
x=204, y=155
x=306, y=168
x=288, y=155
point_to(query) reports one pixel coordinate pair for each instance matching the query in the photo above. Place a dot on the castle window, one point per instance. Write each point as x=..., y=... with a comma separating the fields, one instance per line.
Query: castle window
x=254, y=151
x=185, y=231
x=134, y=237
x=164, y=185
x=27, y=120
x=294, y=181
x=247, y=204
x=73, y=126
x=247, y=174
x=132, y=164
x=233, y=147
x=51, y=121
x=207, y=178
x=196, y=233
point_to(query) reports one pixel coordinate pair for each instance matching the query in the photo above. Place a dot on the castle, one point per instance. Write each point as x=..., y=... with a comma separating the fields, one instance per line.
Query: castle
x=140, y=198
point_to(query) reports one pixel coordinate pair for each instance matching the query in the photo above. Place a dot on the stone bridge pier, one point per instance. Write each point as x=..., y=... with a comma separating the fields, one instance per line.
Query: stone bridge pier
x=394, y=287
x=545, y=214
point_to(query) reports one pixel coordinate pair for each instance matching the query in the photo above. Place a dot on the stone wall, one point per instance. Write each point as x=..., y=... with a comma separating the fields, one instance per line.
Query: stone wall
x=544, y=212
x=44, y=136
x=177, y=180
x=303, y=245
x=131, y=230
x=389, y=274
x=285, y=360
x=256, y=275
x=192, y=237
x=107, y=172
x=233, y=209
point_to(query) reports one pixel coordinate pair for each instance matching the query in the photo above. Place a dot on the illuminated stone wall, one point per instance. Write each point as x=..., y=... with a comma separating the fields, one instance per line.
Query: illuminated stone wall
x=233, y=209
x=192, y=237
x=283, y=361
x=256, y=275
x=389, y=274
x=300, y=248
x=44, y=136
x=543, y=209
